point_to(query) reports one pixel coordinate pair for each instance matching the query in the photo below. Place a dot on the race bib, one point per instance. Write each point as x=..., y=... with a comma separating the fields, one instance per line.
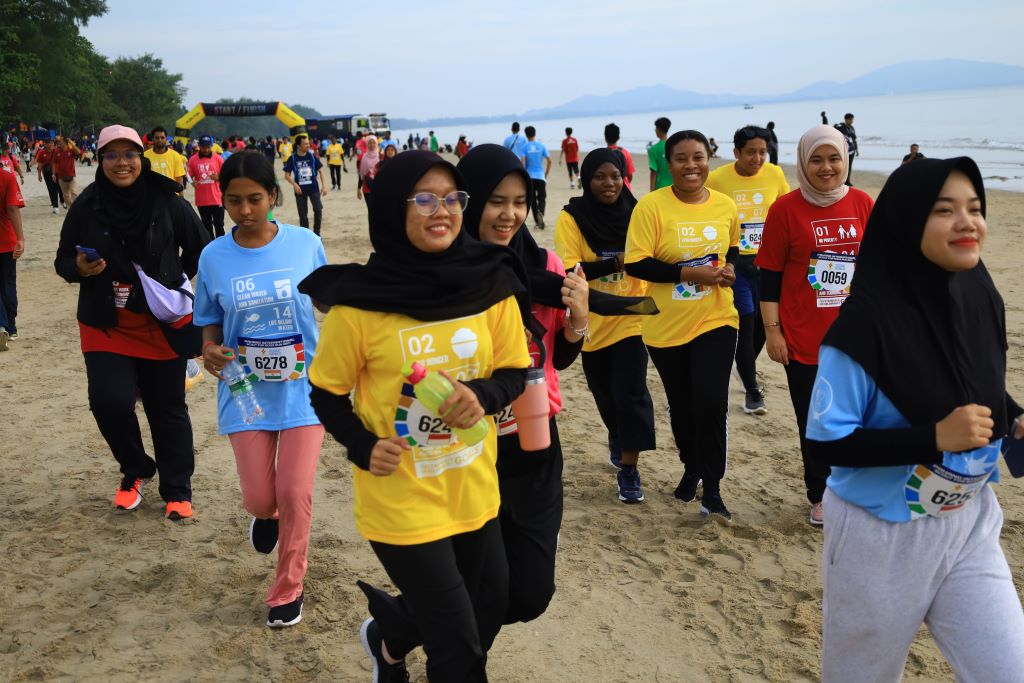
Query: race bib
x=693, y=291
x=830, y=275
x=936, y=490
x=436, y=449
x=750, y=237
x=305, y=174
x=278, y=359
x=121, y=292
x=506, y=422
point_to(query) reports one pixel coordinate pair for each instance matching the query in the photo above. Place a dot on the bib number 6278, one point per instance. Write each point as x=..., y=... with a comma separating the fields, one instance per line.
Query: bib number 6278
x=270, y=363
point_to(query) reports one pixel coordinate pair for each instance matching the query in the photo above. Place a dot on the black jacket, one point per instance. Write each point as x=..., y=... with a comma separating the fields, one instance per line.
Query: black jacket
x=176, y=238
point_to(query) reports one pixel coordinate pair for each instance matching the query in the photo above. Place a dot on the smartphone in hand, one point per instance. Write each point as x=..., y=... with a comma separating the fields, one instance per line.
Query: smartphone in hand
x=1013, y=452
x=90, y=253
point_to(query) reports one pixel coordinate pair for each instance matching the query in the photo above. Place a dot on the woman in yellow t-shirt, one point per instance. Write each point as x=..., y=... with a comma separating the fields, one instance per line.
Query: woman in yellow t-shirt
x=592, y=231
x=427, y=502
x=684, y=240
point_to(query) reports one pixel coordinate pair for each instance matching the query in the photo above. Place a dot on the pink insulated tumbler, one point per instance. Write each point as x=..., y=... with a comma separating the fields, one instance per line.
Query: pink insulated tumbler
x=531, y=411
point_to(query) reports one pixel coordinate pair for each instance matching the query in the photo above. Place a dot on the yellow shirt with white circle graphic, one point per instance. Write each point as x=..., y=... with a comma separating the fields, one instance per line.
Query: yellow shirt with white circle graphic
x=442, y=487
x=667, y=229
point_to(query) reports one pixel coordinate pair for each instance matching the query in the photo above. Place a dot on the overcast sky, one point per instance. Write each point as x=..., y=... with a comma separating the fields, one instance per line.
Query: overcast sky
x=420, y=59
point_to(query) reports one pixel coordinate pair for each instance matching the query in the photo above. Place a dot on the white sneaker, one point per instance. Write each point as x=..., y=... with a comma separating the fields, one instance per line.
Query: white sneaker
x=56, y=210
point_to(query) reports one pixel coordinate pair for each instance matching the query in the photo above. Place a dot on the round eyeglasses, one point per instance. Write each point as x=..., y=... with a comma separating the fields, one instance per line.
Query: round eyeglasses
x=427, y=203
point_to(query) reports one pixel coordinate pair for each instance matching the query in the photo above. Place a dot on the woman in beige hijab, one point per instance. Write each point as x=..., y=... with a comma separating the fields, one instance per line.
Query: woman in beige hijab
x=807, y=259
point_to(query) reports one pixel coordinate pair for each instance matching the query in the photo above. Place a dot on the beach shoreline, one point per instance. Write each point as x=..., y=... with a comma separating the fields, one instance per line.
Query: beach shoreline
x=649, y=591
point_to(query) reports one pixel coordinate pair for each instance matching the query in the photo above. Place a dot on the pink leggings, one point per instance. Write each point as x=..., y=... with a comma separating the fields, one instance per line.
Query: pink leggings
x=281, y=487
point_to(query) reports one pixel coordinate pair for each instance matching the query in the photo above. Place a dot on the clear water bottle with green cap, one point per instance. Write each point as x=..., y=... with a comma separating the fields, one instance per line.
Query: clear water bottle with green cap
x=432, y=390
x=242, y=391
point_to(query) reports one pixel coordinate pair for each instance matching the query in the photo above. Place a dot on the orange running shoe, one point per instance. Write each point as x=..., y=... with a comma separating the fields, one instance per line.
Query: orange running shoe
x=130, y=499
x=178, y=509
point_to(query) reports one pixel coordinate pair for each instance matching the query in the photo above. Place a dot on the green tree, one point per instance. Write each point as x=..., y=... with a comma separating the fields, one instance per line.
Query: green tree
x=146, y=92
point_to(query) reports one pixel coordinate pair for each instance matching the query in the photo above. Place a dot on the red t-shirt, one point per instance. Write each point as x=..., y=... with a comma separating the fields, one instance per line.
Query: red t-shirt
x=10, y=195
x=571, y=149
x=64, y=163
x=43, y=157
x=137, y=334
x=815, y=249
x=207, y=189
x=9, y=163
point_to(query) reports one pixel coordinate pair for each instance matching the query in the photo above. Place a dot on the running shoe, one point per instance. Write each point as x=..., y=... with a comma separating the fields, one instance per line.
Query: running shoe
x=687, y=489
x=130, y=498
x=283, y=616
x=383, y=671
x=539, y=218
x=614, y=455
x=263, y=535
x=56, y=210
x=629, y=485
x=754, y=403
x=818, y=514
x=178, y=509
x=12, y=336
x=713, y=505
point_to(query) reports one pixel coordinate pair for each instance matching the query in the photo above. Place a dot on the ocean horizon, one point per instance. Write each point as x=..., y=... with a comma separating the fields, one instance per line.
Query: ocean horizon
x=984, y=124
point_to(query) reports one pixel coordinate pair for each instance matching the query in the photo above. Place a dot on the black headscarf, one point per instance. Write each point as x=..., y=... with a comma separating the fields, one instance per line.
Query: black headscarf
x=484, y=167
x=128, y=212
x=602, y=225
x=465, y=279
x=932, y=340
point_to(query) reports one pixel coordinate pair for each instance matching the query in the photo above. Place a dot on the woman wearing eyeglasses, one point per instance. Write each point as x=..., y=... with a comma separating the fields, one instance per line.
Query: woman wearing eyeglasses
x=131, y=215
x=425, y=501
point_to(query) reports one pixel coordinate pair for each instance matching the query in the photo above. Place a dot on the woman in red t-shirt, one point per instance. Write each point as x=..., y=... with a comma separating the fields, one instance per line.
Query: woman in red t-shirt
x=807, y=260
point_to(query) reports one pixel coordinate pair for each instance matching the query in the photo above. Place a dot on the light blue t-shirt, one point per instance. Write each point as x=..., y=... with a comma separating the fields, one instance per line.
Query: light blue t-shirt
x=846, y=398
x=253, y=294
x=535, y=153
x=388, y=143
x=515, y=142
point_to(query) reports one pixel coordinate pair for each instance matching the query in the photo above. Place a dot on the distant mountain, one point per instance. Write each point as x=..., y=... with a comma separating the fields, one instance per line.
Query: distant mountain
x=906, y=77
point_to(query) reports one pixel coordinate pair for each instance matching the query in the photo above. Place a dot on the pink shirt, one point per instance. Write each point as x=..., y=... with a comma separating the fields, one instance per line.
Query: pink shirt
x=200, y=169
x=553, y=320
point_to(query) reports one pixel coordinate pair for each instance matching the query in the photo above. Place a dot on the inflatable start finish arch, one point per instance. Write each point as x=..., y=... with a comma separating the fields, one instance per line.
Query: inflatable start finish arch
x=296, y=124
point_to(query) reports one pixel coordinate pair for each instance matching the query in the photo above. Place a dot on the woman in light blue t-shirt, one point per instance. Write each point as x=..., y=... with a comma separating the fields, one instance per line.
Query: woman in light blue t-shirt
x=910, y=409
x=249, y=305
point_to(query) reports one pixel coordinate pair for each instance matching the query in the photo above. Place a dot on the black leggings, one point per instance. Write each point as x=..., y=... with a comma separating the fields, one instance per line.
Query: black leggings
x=302, y=201
x=52, y=188
x=617, y=377
x=213, y=219
x=335, y=175
x=530, y=517
x=696, y=380
x=801, y=384
x=454, y=592
x=539, y=200
x=113, y=382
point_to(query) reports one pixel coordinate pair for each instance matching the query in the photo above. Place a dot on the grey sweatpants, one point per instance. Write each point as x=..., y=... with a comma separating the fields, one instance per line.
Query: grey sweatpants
x=883, y=579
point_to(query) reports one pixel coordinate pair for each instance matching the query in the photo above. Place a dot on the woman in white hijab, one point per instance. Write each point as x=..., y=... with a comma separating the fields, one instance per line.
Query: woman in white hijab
x=807, y=259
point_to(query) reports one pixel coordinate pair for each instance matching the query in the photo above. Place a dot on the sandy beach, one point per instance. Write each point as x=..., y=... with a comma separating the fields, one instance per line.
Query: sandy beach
x=646, y=592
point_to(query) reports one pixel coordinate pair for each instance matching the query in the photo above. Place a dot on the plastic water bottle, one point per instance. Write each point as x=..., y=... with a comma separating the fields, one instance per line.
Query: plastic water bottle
x=242, y=392
x=193, y=374
x=432, y=390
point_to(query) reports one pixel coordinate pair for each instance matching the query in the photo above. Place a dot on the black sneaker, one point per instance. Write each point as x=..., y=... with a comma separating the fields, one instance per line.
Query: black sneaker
x=687, y=489
x=383, y=671
x=286, y=615
x=713, y=505
x=263, y=535
x=754, y=403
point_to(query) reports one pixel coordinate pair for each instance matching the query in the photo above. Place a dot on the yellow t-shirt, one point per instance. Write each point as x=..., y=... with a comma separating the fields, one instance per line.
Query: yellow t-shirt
x=603, y=331
x=286, y=150
x=334, y=154
x=665, y=228
x=169, y=164
x=442, y=487
x=753, y=195
x=217, y=149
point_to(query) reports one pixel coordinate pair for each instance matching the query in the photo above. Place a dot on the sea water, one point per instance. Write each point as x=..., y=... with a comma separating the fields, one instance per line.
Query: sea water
x=985, y=124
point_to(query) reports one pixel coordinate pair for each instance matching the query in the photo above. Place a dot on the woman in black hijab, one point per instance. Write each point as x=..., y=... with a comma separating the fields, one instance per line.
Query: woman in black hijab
x=427, y=502
x=130, y=216
x=591, y=231
x=910, y=409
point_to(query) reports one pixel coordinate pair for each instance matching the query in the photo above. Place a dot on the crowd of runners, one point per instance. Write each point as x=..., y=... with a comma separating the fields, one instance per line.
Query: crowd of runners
x=698, y=276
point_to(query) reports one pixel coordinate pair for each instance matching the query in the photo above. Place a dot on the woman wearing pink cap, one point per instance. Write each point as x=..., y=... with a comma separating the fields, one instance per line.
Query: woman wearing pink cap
x=131, y=217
